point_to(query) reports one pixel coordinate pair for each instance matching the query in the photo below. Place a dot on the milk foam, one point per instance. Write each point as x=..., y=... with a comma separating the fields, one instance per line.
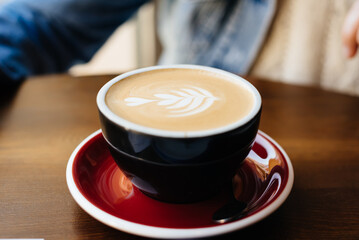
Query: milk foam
x=180, y=99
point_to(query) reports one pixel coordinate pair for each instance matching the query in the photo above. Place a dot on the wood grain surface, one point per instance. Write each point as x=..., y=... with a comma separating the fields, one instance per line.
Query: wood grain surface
x=43, y=120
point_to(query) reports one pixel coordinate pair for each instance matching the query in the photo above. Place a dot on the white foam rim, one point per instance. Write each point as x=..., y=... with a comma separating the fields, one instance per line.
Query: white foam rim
x=178, y=134
x=173, y=233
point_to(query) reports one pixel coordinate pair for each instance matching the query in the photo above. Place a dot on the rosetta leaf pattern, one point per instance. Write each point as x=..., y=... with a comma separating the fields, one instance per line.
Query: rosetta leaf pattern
x=180, y=103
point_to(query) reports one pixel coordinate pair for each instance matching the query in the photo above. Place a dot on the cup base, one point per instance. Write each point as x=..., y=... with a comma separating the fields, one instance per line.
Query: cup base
x=192, y=198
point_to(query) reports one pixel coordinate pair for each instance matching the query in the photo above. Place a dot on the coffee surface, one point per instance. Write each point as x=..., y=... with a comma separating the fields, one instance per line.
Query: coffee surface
x=180, y=99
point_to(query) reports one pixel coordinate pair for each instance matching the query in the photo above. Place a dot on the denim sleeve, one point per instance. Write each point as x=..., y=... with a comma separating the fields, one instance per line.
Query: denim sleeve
x=47, y=36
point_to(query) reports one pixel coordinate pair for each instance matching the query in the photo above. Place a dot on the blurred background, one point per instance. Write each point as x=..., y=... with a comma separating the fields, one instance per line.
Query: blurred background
x=300, y=48
x=132, y=45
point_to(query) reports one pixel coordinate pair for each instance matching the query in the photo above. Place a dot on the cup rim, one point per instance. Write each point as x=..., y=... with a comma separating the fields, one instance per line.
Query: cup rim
x=131, y=126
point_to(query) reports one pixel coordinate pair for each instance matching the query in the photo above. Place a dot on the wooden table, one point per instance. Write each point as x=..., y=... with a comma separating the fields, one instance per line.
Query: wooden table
x=47, y=117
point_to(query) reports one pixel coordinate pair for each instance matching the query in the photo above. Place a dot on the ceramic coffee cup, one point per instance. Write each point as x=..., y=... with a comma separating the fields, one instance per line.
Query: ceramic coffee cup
x=179, y=131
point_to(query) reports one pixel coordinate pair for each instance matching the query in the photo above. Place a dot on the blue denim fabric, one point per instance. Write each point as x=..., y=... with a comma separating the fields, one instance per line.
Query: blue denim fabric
x=46, y=36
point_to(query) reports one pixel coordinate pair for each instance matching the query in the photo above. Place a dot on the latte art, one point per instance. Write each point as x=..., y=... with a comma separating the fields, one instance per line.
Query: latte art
x=180, y=99
x=180, y=103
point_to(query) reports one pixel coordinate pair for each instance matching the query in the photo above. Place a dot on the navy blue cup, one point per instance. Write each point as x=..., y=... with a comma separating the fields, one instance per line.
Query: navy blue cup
x=176, y=166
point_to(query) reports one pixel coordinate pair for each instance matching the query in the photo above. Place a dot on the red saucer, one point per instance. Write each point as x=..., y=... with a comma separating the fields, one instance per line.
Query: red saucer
x=101, y=189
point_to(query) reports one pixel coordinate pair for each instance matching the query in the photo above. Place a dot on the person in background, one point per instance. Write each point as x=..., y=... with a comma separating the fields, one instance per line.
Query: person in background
x=285, y=40
x=311, y=43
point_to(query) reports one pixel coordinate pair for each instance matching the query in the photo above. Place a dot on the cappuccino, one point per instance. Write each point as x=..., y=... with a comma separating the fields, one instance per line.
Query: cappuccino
x=180, y=99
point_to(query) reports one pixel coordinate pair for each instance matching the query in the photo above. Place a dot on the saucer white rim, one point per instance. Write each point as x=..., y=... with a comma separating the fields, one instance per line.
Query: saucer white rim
x=171, y=233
